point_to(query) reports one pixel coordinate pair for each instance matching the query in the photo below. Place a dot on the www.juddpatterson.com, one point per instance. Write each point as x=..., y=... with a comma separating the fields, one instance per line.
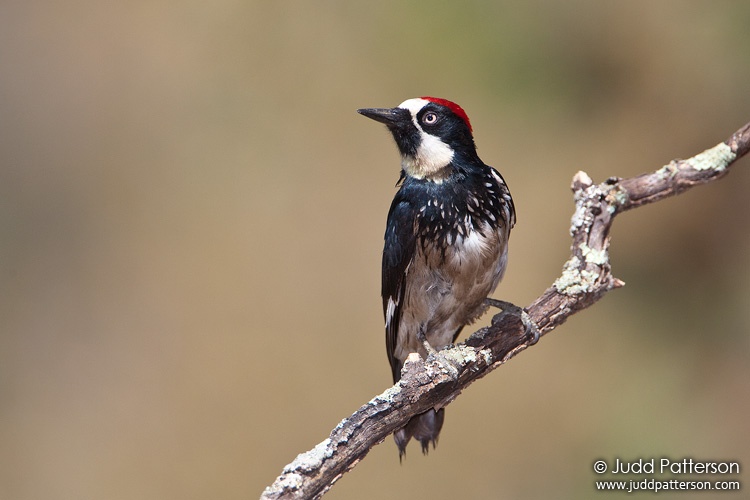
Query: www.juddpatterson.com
x=655, y=485
x=667, y=466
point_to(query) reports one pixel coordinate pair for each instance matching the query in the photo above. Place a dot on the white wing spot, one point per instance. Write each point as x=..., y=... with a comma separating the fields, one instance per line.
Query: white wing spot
x=389, y=311
x=497, y=177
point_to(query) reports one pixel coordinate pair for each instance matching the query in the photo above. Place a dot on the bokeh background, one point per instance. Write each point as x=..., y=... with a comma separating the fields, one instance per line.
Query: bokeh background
x=191, y=220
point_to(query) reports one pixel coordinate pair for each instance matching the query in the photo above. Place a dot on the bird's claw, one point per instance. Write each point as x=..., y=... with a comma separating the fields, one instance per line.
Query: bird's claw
x=532, y=330
x=423, y=339
x=433, y=354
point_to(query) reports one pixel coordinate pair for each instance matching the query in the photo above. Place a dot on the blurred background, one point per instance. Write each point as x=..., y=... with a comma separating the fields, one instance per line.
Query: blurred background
x=191, y=221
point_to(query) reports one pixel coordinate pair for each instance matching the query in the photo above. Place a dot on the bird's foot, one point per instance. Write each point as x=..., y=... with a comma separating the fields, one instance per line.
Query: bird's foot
x=423, y=340
x=532, y=330
x=445, y=362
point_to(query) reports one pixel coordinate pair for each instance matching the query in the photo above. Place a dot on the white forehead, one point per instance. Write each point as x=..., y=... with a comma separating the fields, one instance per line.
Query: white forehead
x=414, y=105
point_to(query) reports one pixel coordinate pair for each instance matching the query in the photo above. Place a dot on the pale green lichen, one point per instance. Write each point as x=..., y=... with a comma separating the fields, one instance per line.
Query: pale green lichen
x=581, y=184
x=312, y=459
x=588, y=200
x=667, y=171
x=616, y=198
x=569, y=282
x=588, y=278
x=575, y=280
x=387, y=396
x=486, y=355
x=578, y=219
x=460, y=354
x=450, y=360
x=286, y=483
x=598, y=257
x=717, y=158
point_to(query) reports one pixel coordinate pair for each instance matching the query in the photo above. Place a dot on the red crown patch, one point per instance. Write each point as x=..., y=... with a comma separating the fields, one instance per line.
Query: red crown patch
x=458, y=110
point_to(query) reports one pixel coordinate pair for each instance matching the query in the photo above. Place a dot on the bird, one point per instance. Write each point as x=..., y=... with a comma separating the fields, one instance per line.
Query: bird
x=446, y=239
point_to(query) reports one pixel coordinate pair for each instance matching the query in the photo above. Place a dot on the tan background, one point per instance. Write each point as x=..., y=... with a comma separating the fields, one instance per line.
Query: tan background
x=191, y=220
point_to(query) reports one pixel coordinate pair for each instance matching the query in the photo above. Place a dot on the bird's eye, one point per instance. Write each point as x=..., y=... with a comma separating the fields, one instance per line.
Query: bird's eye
x=430, y=118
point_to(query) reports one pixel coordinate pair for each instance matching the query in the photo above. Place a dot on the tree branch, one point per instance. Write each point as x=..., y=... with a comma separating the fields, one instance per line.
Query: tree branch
x=437, y=381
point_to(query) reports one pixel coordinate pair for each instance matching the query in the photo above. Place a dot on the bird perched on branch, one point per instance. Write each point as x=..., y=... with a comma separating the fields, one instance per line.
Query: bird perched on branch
x=446, y=239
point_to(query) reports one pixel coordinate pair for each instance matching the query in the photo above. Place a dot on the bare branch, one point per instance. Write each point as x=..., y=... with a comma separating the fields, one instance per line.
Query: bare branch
x=437, y=381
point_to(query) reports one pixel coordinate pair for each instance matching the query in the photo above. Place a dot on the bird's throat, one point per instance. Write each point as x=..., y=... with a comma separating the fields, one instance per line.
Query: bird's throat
x=432, y=160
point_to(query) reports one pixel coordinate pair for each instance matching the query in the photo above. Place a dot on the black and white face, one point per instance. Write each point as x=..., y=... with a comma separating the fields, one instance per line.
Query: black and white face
x=431, y=154
x=425, y=130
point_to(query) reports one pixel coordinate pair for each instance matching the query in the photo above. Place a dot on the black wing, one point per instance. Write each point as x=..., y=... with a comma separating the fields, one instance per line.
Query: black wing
x=400, y=246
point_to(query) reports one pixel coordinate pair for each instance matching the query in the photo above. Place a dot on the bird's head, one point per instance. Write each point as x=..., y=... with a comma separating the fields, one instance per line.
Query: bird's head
x=429, y=132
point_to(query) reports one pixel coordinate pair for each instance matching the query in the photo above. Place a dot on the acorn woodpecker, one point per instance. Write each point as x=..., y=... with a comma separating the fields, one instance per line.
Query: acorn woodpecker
x=446, y=239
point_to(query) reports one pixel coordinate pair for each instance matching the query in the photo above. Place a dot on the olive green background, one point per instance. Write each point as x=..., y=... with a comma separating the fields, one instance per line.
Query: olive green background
x=191, y=221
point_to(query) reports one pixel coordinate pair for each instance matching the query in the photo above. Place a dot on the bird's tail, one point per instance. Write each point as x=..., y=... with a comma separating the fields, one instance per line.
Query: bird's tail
x=425, y=428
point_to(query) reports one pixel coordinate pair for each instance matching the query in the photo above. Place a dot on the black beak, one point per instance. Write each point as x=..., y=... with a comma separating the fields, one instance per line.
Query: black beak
x=389, y=116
